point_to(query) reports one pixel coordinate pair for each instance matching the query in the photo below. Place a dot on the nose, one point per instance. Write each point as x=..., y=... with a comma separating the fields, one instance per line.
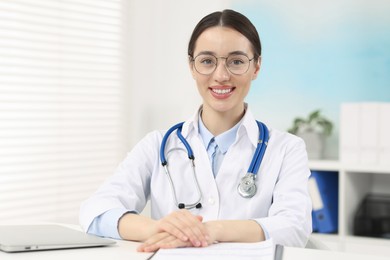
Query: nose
x=221, y=73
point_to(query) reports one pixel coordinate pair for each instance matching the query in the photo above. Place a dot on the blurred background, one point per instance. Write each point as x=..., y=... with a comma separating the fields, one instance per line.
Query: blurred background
x=81, y=81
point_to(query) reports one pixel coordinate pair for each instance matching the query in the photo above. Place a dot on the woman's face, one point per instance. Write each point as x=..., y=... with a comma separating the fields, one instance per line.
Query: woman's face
x=223, y=91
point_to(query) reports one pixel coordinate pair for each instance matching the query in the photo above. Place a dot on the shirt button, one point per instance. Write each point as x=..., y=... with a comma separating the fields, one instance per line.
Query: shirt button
x=211, y=201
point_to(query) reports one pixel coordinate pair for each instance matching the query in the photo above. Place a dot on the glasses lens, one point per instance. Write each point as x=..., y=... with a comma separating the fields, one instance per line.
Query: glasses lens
x=205, y=64
x=237, y=64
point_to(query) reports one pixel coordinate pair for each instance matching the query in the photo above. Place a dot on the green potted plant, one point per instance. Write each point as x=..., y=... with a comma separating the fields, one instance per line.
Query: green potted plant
x=313, y=130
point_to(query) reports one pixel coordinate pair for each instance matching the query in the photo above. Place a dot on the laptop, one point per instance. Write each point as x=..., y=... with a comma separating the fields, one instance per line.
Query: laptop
x=21, y=238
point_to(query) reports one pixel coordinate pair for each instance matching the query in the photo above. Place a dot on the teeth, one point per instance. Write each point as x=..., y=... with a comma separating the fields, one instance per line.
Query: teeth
x=222, y=91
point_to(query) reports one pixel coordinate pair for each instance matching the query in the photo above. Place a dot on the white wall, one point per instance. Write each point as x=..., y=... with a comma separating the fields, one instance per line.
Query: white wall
x=162, y=91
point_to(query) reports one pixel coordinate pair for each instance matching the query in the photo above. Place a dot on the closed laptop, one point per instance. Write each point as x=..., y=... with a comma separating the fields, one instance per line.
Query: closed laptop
x=20, y=238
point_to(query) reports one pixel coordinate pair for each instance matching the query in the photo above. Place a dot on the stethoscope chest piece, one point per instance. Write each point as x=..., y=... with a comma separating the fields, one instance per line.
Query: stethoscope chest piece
x=247, y=187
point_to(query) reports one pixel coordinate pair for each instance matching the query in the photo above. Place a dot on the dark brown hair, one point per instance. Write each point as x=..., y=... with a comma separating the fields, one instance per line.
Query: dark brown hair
x=231, y=19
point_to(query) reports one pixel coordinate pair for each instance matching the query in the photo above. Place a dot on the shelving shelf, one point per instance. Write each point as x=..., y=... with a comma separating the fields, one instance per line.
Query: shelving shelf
x=355, y=181
x=334, y=165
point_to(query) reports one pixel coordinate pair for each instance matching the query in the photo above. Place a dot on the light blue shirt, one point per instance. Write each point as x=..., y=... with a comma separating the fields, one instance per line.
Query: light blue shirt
x=217, y=146
x=107, y=223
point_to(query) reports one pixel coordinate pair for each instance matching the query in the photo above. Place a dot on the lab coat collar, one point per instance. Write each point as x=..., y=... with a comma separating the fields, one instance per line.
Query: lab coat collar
x=248, y=126
x=191, y=125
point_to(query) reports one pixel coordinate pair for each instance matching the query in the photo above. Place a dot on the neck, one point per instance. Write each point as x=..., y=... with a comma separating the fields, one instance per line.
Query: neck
x=219, y=122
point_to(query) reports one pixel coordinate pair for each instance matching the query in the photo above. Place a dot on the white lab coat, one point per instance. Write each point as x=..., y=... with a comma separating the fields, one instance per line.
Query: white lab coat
x=281, y=205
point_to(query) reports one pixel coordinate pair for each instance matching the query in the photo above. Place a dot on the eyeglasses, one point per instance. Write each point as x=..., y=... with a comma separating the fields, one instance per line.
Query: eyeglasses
x=237, y=64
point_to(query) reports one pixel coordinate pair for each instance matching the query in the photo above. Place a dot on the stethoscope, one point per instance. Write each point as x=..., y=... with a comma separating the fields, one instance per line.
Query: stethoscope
x=247, y=186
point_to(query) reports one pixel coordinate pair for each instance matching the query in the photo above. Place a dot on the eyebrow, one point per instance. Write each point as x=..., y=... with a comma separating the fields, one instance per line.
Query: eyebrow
x=230, y=53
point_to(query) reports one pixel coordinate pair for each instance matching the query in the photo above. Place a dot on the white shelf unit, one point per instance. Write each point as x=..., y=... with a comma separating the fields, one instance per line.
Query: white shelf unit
x=355, y=181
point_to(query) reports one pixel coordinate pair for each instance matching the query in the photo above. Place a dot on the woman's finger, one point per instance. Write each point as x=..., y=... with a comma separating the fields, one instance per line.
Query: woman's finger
x=153, y=240
x=161, y=240
x=193, y=228
x=185, y=226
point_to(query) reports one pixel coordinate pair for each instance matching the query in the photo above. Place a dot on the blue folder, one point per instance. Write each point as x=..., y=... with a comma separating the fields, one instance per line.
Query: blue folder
x=325, y=205
x=314, y=222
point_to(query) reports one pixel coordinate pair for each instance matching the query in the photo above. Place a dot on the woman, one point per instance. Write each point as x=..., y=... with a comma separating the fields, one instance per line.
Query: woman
x=224, y=57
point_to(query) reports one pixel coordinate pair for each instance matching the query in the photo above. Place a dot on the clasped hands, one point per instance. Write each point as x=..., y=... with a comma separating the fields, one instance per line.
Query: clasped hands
x=178, y=229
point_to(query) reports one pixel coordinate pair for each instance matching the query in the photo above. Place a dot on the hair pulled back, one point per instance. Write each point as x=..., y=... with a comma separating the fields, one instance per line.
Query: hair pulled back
x=231, y=19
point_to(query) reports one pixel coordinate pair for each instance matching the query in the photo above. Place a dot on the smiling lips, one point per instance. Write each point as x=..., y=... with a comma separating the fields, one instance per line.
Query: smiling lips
x=222, y=93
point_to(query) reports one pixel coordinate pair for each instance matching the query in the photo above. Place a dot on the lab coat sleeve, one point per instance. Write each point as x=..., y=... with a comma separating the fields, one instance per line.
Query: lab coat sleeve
x=289, y=218
x=129, y=187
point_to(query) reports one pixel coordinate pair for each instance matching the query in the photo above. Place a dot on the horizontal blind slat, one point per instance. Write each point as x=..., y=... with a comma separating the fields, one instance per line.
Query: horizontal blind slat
x=55, y=6
x=39, y=169
x=61, y=19
x=61, y=104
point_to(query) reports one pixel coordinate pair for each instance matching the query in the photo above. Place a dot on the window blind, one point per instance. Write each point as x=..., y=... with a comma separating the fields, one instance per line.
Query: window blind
x=61, y=104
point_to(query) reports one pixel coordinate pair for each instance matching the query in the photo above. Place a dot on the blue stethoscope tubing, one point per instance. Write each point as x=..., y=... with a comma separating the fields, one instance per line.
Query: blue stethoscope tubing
x=260, y=149
x=246, y=188
x=191, y=156
x=181, y=137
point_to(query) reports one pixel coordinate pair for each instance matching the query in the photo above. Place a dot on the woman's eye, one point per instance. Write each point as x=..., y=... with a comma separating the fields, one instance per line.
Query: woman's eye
x=207, y=61
x=236, y=62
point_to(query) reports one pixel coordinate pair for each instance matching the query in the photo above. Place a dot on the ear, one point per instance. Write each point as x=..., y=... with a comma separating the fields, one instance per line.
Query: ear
x=191, y=66
x=257, y=68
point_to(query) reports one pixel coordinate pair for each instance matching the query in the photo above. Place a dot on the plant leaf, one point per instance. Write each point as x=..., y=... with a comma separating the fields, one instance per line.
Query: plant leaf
x=314, y=116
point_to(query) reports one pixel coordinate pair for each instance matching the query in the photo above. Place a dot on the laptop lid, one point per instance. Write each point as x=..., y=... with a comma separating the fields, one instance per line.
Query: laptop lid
x=20, y=238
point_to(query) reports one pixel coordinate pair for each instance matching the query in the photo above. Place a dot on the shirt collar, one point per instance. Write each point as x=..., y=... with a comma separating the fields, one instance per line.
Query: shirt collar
x=224, y=140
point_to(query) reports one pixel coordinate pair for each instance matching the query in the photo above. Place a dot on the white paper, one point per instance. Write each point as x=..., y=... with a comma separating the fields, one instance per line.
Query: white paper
x=315, y=194
x=226, y=251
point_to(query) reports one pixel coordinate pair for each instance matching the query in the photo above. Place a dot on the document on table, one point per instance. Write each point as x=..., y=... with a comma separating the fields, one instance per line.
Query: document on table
x=227, y=251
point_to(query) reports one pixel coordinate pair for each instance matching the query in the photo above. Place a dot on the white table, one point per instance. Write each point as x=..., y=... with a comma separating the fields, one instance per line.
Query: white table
x=127, y=250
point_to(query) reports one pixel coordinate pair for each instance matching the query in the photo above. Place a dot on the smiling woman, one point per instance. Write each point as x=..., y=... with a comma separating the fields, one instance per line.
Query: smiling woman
x=222, y=139
x=220, y=83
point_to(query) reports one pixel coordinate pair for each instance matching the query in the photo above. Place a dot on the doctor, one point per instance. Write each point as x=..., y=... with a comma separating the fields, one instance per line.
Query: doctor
x=197, y=192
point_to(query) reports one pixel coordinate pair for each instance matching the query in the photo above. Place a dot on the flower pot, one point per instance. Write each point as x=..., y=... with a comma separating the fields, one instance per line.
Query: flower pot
x=315, y=143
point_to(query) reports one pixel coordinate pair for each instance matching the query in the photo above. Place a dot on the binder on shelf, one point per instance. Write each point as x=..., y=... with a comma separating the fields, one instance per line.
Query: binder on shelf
x=349, y=132
x=323, y=188
x=314, y=222
x=368, y=136
x=364, y=128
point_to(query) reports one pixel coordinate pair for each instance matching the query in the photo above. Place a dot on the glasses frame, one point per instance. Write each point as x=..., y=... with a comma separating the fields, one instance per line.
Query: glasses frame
x=216, y=65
